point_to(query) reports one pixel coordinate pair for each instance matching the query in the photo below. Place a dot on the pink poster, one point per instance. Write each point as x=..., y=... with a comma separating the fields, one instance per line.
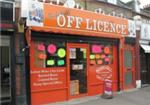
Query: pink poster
x=51, y=48
x=96, y=48
x=41, y=47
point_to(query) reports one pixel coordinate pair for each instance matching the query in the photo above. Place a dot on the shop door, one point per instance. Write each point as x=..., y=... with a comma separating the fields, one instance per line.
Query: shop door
x=78, y=67
x=144, y=67
x=129, y=67
x=5, y=73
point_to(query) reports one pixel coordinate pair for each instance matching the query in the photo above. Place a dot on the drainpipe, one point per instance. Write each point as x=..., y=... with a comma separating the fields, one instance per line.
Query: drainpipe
x=138, y=23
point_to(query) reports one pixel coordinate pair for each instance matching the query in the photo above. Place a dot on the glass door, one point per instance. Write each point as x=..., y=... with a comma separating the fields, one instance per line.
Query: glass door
x=5, y=73
x=78, y=69
x=129, y=67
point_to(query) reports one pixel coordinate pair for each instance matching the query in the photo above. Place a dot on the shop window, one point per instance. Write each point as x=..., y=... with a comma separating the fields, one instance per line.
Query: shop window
x=128, y=58
x=49, y=54
x=6, y=11
x=101, y=54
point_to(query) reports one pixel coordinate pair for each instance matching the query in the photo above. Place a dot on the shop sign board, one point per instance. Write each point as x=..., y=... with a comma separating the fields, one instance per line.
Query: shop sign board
x=7, y=26
x=145, y=31
x=62, y=18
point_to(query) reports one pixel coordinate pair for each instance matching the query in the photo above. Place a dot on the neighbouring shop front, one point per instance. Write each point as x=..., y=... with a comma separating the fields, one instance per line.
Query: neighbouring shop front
x=7, y=56
x=145, y=54
x=145, y=66
x=7, y=67
x=71, y=54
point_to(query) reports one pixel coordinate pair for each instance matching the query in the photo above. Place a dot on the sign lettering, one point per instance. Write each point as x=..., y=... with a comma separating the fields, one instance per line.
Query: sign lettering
x=46, y=79
x=93, y=25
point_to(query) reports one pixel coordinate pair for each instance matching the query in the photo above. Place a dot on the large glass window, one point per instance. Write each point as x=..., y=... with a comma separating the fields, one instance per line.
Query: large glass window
x=6, y=11
x=49, y=54
x=5, y=70
x=101, y=54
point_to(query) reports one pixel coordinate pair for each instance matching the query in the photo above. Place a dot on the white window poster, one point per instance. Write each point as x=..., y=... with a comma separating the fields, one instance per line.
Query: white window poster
x=72, y=53
x=145, y=31
x=35, y=13
x=131, y=29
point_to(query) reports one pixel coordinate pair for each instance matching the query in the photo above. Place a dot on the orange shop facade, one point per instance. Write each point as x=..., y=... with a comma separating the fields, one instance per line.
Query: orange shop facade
x=72, y=52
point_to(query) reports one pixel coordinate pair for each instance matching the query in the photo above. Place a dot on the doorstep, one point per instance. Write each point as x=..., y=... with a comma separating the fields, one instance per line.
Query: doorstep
x=145, y=85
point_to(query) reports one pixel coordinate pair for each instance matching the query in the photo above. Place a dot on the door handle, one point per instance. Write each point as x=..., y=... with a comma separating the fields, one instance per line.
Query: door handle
x=129, y=69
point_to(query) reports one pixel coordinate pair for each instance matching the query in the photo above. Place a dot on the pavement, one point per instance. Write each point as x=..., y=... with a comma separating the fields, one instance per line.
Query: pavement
x=130, y=97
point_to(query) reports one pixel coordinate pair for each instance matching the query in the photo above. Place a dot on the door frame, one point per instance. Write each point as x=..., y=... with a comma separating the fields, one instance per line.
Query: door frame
x=132, y=49
x=77, y=45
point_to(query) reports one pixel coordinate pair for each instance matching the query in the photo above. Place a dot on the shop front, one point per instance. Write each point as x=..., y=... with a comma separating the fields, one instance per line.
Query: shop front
x=145, y=54
x=7, y=65
x=72, y=53
x=71, y=66
x=145, y=67
x=7, y=56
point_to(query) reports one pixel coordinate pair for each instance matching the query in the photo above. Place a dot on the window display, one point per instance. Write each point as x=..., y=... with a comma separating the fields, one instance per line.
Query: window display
x=100, y=54
x=49, y=54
